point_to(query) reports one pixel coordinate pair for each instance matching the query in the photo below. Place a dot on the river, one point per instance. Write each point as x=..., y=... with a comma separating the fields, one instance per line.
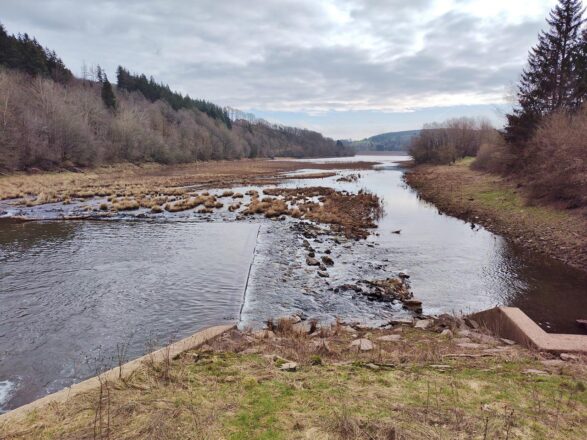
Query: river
x=73, y=295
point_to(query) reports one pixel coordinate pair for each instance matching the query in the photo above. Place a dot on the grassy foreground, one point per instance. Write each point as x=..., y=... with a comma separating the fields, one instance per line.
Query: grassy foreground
x=417, y=384
x=500, y=206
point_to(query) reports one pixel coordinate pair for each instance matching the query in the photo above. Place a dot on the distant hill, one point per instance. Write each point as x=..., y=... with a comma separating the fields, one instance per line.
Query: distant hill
x=392, y=141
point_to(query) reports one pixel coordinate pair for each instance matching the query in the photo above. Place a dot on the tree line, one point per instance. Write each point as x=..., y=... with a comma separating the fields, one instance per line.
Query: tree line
x=543, y=145
x=49, y=119
x=154, y=91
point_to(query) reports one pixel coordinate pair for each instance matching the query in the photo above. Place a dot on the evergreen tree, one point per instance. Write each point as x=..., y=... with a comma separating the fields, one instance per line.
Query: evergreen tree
x=107, y=93
x=581, y=69
x=26, y=54
x=154, y=91
x=550, y=80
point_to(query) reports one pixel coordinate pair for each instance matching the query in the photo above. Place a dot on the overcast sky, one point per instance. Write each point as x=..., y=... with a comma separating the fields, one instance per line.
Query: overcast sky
x=348, y=68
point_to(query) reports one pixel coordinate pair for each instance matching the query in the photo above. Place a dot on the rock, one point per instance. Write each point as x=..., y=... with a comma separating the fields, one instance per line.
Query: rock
x=471, y=345
x=327, y=260
x=472, y=323
x=423, y=324
x=289, y=366
x=461, y=340
x=311, y=254
x=569, y=357
x=463, y=332
x=507, y=341
x=362, y=344
x=403, y=275
x=535, y=372
x=328, y=251
x=294, y=319
x=480, y=337
x=372, y=367
x=264, y=334
x=413, y=304
x=446, y=321
x=447, y=333
x=402, y=321
x=553, y=363
x=323, y=274
x=346, y=329
x=390, y=338
x=312, y=261
x=322, y=267
x=302, y=327
x=388, y=290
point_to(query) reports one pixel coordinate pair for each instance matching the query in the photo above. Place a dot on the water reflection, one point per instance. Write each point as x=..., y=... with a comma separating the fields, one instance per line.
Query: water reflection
x=70, y=292
x=454, y=266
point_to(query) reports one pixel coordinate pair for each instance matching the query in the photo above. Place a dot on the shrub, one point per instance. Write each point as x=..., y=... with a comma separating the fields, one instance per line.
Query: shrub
x=556, y=159
x=456, y=138
x=495, y=157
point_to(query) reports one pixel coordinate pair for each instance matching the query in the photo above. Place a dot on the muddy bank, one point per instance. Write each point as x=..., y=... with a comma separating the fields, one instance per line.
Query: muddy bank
x=500, y=206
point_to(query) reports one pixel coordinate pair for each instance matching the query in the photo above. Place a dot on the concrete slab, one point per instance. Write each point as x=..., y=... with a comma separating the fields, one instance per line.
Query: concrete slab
x=169, y=352
x=512, y=323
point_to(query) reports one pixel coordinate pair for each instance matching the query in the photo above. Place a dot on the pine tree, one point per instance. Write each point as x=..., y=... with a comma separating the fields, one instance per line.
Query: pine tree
x=107, y=93
x=550, y=80
x=581, y=69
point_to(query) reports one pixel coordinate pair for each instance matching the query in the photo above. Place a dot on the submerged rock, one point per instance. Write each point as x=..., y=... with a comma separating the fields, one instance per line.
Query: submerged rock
x=388, y=290
x=413, y=304
x=310, y=261
x=327, y=260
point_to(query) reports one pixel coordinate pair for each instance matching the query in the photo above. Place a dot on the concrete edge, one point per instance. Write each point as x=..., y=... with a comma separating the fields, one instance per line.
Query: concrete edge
x=169, y=352
x=512, y=323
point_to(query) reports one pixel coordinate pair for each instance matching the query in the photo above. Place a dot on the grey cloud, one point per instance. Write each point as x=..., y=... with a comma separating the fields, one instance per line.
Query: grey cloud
x=298, y=55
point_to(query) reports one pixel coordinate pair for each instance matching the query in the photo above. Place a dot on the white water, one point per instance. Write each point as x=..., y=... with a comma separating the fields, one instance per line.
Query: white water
x=6, y=389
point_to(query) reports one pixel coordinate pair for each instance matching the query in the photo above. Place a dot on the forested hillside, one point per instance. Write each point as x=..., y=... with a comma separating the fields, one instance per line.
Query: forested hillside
x=51, y=119
x=393, y=141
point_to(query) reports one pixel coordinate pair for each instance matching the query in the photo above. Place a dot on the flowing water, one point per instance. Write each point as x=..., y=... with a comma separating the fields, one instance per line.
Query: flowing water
x=72, y=294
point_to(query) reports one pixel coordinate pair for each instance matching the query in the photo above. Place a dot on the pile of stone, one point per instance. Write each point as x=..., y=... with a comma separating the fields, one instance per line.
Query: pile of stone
x=395, y=289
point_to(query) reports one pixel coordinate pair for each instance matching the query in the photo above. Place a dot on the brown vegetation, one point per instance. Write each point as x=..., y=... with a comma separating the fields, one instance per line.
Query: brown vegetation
x=151, y=179
x=349, y=214
x=552, y=165
x=449, y=141
x=50, y=125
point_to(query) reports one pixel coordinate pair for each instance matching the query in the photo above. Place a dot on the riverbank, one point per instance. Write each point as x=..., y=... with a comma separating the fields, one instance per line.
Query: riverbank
x=434, y=379
x=499, y=205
